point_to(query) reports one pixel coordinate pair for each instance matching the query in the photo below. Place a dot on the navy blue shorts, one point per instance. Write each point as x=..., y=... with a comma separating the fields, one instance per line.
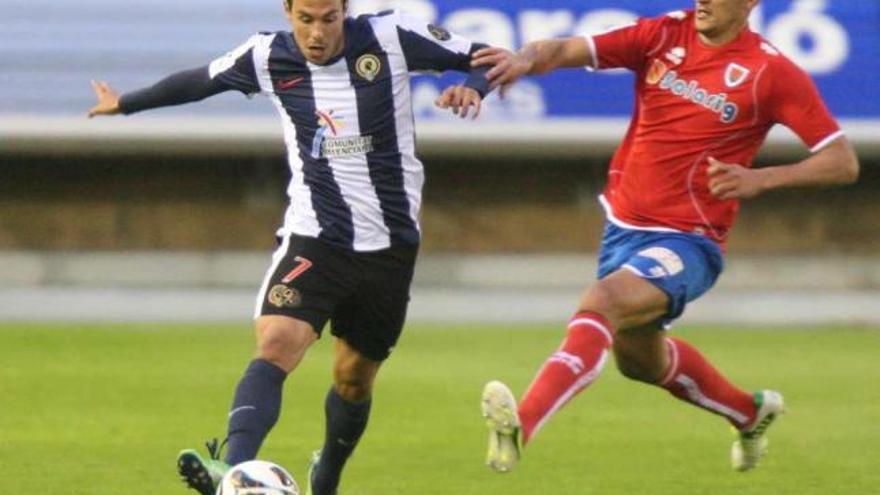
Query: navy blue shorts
x=684, y=266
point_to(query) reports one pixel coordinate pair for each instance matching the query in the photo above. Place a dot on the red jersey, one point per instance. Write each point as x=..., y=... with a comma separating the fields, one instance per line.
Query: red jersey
x=695, y=101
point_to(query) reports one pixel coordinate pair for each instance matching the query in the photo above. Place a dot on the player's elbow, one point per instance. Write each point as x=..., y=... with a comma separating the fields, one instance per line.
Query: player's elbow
x=846, y=162
x=851, y=169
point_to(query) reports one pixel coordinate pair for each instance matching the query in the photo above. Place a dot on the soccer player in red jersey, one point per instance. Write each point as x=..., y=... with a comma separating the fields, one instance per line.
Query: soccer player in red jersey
x=708, y=90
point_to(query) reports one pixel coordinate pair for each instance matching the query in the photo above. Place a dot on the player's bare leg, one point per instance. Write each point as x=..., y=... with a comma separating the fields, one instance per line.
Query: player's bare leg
x=644, y=353
x=347, y=409
x=281, y=344
x=619, y=299
x=648, y=355
x=641, y=352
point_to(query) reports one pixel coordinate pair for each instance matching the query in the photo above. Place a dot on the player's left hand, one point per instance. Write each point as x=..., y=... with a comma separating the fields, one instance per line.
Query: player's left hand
x=733, y=181
x=108, y=100
x=460, y=99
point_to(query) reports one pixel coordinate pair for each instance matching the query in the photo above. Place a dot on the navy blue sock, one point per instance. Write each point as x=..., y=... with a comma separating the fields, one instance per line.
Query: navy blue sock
x=346, y=422
x=254, y=411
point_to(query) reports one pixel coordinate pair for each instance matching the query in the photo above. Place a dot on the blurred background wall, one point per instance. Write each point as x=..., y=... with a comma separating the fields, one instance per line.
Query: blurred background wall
x=171, y=214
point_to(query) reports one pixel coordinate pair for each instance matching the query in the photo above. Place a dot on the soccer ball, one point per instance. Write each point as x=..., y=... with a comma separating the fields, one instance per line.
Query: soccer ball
x=257, y=478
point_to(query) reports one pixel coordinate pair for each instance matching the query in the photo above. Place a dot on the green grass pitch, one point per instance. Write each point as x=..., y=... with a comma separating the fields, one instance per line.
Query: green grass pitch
x=104, y=409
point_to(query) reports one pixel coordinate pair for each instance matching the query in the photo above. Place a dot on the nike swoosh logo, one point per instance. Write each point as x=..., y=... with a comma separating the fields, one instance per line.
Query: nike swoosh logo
x=289, y=83
x=240, y=409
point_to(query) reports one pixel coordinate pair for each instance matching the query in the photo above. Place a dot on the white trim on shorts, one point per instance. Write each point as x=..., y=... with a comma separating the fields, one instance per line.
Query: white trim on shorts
x=277, y=256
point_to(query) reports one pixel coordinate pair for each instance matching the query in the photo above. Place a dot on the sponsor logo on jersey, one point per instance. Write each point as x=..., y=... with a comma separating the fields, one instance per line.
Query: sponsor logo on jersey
x=735, y=75
x=368, y=66
x=439, y=32
x=346, y=146
x=659, y=68
x=656, y=72
x=328, y=143
x=691, y=91
x=282, y=296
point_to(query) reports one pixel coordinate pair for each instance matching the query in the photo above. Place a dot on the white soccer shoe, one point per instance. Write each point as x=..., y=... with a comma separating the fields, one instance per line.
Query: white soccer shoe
x=500, y=410
x=313, y=466
x=751, y=444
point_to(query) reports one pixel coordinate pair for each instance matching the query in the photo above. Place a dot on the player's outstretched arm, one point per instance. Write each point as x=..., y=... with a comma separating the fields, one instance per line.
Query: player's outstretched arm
x=836, y=164
x=538, y=57
x=179, y=88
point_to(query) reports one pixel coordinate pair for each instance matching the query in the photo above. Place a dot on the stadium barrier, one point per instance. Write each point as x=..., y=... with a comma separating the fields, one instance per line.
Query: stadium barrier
x=245, y=269
x=178, y=287
x=50, y=60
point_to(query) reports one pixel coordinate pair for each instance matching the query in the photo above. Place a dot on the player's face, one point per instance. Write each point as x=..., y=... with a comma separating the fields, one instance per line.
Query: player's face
x=317, y=27
x=717, y=20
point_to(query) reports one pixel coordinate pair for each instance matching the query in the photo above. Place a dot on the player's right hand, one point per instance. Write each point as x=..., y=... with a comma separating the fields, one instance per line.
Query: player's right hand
x=460, y=99
x=733, y=181
x=507, y=68
x=108, y=100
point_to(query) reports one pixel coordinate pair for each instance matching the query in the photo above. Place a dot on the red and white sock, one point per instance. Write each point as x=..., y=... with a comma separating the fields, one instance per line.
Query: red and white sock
x=693, y=379
x=569, y=370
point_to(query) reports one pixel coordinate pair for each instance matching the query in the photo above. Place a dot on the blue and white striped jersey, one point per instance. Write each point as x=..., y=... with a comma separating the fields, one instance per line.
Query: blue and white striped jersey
x=348, y=124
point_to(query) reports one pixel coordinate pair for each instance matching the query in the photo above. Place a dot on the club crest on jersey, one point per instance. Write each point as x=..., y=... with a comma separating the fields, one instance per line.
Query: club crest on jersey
x=368, y=66
x=735, y=75
x=691, y=91
x=439, y=32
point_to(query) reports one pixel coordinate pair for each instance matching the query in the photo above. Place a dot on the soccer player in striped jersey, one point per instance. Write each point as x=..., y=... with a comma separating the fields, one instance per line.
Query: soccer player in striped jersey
x=348, y=243
x=708, y=90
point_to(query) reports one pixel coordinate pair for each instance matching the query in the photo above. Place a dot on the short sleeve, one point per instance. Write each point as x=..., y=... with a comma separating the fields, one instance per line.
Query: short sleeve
x=627, y=46
x=236, y=68
x=430, y=47
x=795, y=102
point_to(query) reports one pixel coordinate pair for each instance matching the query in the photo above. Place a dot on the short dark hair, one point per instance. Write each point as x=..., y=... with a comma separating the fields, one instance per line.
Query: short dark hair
x=290, y=4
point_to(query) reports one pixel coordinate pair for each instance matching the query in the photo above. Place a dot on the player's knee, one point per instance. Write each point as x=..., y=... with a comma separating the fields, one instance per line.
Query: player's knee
x=604, y=299
x=353, y=373
x=624, y=302
x=353, y=380
x=282, y=344
x=634, y=370
x=279, y=340
x=638, y=366
x=354, y=388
